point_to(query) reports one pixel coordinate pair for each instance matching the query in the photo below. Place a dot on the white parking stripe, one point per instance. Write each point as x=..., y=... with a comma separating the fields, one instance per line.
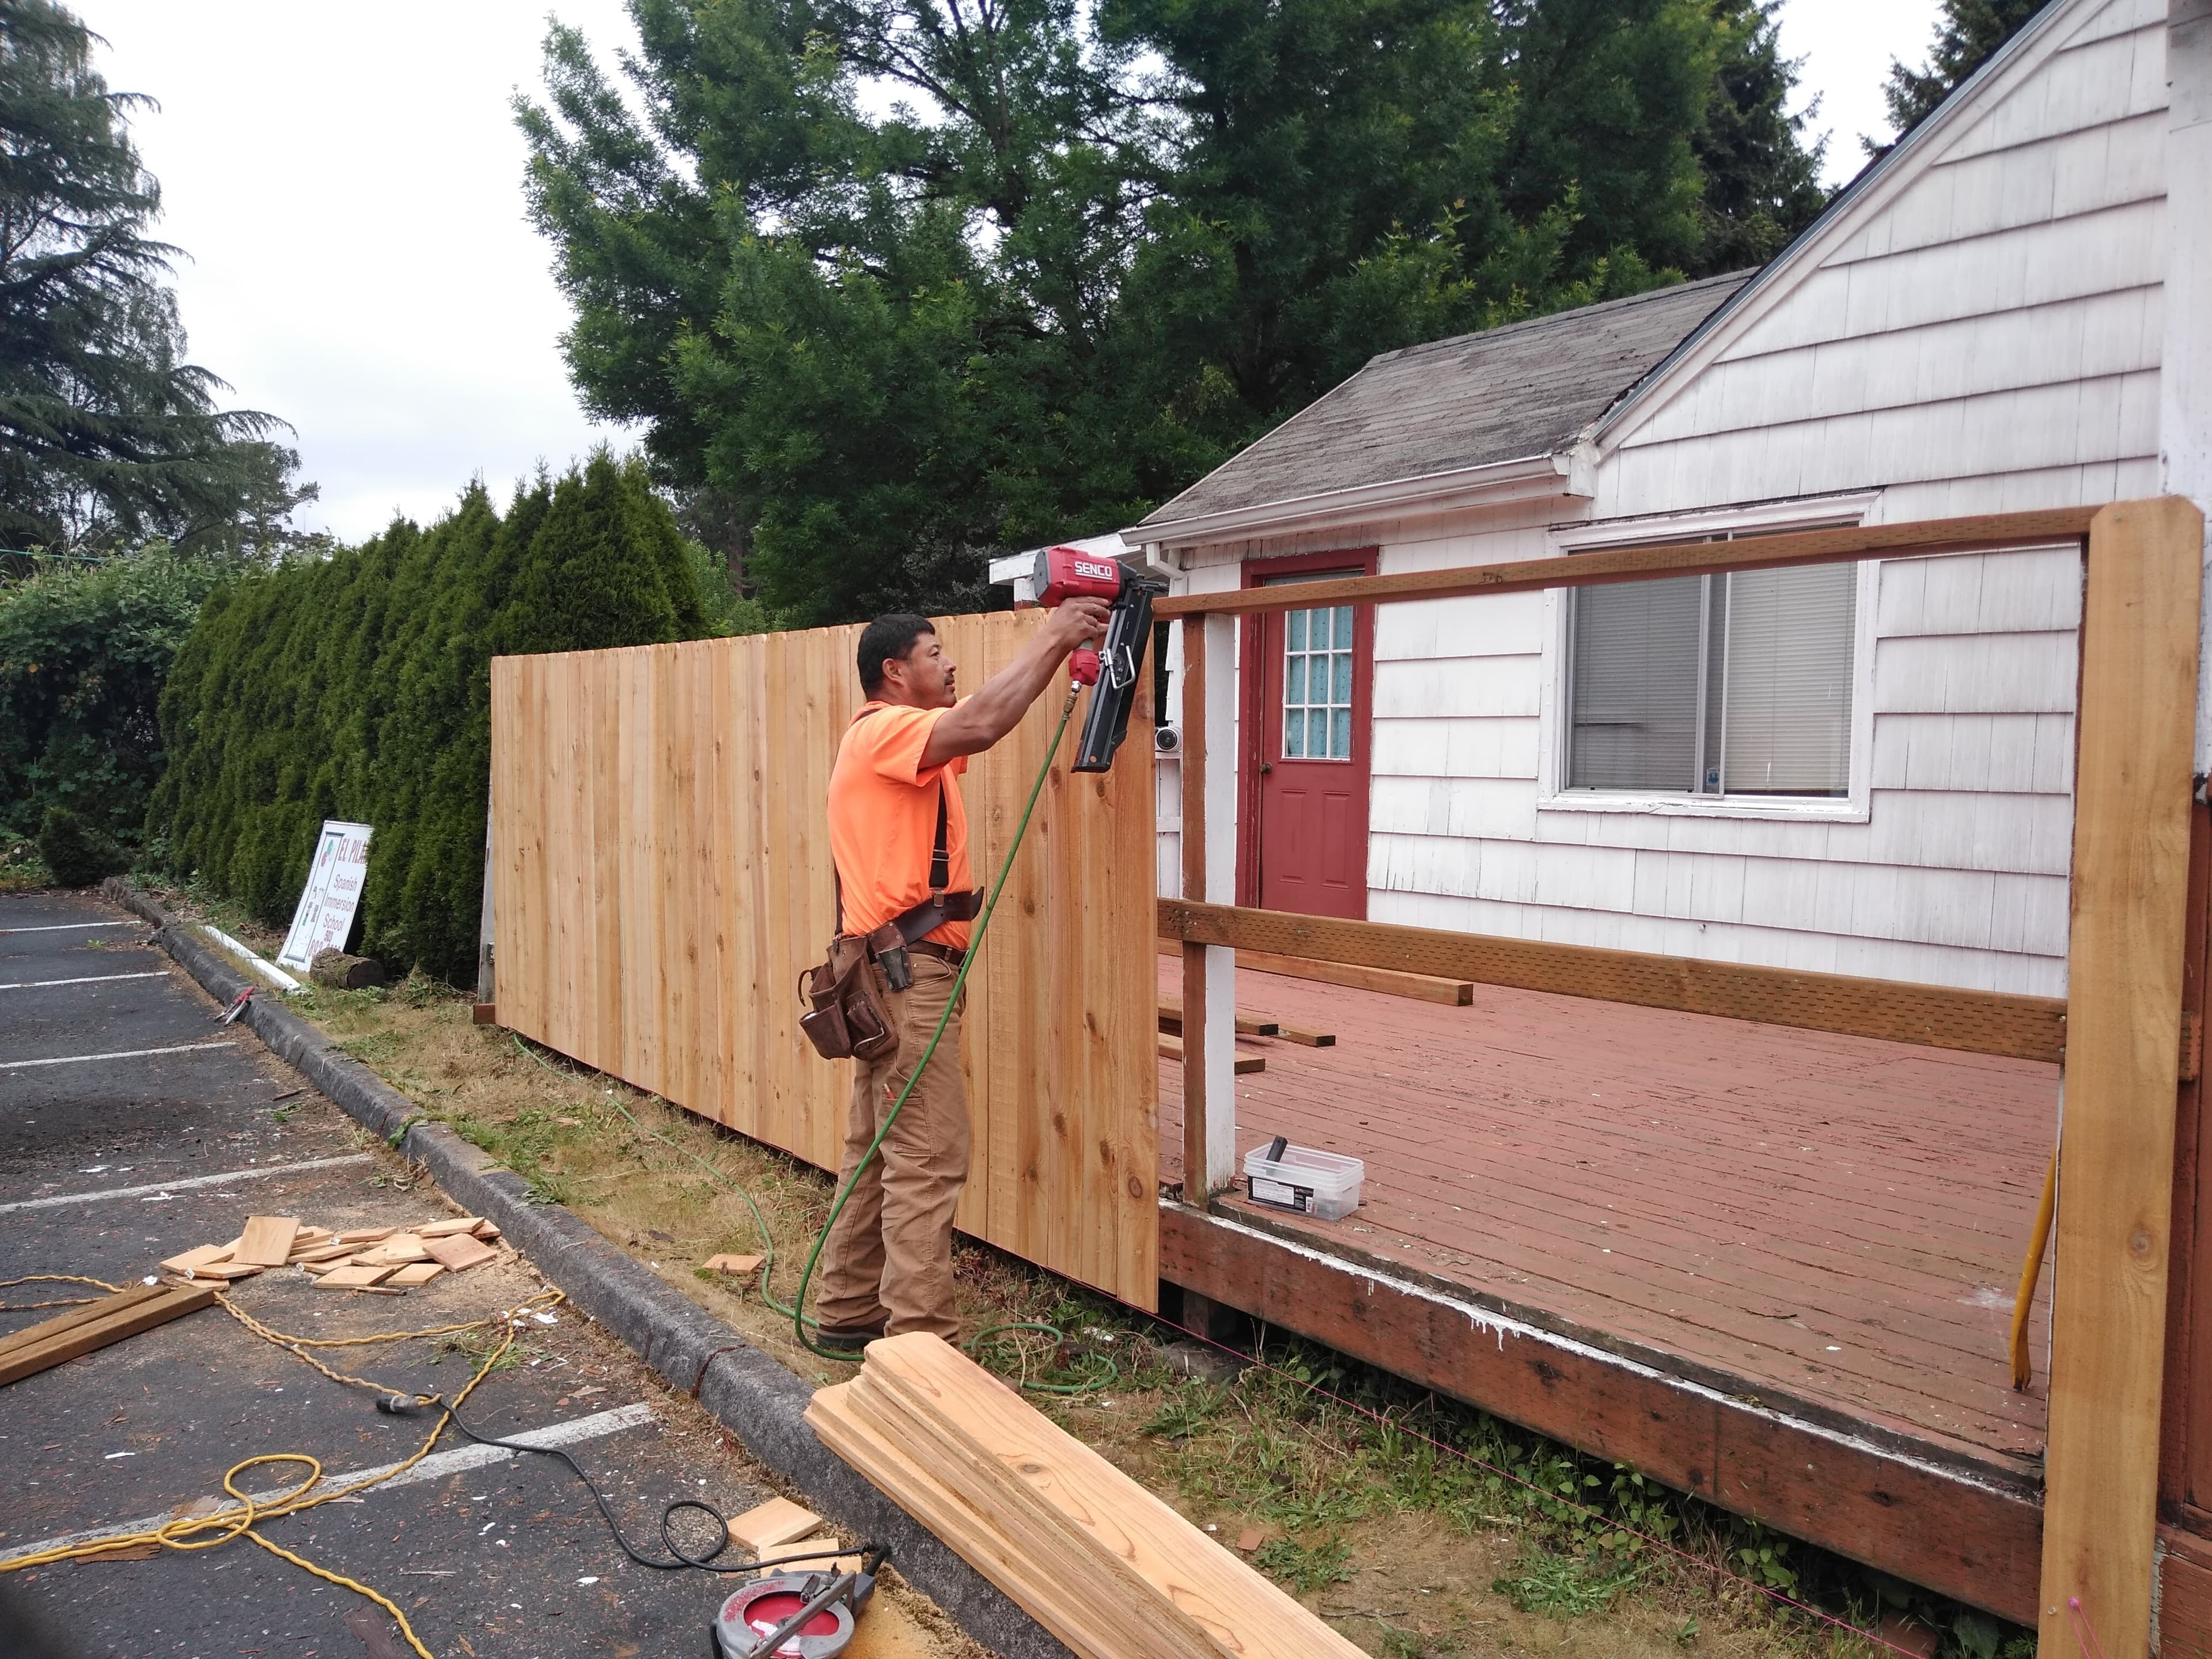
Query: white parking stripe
x=119, y=1054
x=435, y=1467
x=70, y=927
x=88, y=979
x=186, y=1184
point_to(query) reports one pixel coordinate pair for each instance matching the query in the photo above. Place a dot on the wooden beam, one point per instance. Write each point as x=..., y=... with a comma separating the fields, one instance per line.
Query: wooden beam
x=1421, y=988
x=2136, y=731
x=1629, y=564
x=123, y=1315
x=1241, y=1065
x=1981, y=1022
x=1965, y=1532
x=1195, y=1104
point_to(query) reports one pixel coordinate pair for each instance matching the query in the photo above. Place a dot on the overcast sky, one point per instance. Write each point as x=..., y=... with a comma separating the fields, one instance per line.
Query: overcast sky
x=347, y=183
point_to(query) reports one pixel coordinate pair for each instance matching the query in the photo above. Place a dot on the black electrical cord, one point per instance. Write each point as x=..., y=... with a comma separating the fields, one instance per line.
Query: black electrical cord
x=874, y=1555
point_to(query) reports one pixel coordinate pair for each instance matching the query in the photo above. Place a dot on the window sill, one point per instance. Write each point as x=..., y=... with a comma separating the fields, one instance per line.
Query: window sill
x=1834, y=810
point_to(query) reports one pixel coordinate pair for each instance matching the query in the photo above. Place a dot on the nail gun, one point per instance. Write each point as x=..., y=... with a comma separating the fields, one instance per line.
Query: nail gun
x=1067, y=573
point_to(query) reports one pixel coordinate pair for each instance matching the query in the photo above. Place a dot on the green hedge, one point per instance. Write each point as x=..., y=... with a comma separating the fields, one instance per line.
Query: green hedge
x=359, y=687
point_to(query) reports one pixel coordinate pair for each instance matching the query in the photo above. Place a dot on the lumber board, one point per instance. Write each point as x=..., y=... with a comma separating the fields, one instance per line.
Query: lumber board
x=355, y=1276
x=1197, y=1105
x=1420, y=987
x=1965, y=1533
x=99, y=1308
x=662, y=860
x=1629, y=564
x=1083, y=1625
x=1306, y=1038
x=1939, y=1017
x=127, y=1316
x=267, y=1240
x=203, y=1256
x=1244, y=1066
x=416, y=1274
x=451, y=1224
x=2134, y=734
x=1105, y=1519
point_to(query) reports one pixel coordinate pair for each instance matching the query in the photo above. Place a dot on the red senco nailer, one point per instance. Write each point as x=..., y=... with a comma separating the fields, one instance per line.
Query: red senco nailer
x=1067, y=573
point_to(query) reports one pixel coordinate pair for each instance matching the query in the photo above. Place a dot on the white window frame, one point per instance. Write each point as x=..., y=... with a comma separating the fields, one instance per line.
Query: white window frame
x=1555, y=730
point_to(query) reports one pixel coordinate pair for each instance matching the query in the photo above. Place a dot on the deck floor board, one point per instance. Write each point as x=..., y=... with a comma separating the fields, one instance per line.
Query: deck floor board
x=1835, y=1219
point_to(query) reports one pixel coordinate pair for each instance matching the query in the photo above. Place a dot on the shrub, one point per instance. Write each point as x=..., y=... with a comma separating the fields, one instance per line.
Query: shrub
x=79, y=853
x=360, y=687
x=84, y=654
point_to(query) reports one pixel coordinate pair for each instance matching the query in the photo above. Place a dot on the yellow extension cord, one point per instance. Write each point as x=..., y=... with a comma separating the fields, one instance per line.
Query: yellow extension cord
x=182, y=1533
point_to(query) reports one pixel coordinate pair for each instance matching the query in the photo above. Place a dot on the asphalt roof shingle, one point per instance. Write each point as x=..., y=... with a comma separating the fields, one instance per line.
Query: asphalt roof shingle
x=1524, y=389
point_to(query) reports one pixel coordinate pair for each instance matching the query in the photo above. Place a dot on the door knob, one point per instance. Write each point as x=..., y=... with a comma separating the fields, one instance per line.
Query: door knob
x=1266, y=765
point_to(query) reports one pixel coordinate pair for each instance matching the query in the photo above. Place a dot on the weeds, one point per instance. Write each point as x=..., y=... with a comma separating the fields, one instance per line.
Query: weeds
x=1566, y=1586
x=1306, y=1568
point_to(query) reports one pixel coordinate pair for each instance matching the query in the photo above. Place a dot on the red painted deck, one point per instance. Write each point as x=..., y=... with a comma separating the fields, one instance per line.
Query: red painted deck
x=1828, y=1225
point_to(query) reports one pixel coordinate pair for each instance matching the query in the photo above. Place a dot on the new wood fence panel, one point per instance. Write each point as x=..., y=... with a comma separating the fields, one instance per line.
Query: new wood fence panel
x=658, y=818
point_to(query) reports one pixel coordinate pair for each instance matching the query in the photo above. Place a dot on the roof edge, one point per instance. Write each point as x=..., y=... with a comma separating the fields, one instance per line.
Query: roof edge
x=1554, y=472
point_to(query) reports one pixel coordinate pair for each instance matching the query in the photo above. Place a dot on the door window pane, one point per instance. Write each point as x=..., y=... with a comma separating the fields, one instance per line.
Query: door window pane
x=1317, y=684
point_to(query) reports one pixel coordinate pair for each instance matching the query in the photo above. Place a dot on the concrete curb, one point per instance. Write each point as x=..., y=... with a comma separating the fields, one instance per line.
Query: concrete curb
x=746, y=1391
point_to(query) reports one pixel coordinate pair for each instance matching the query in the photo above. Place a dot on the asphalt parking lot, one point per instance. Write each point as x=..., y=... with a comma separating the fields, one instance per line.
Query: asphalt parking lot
x=133, y=1126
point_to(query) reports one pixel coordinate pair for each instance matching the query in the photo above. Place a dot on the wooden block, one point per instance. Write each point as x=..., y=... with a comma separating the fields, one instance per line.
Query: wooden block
x=367, y=1234
x=124, y=1315
x=1420, y=987
x=398, y=1251
x=355, y=1276
x=340, y=972
x=1244, y=1065
x=416, y=1272
x=267, y=1241
x=484, y=1013
x=334, y=1251
x=448, y=1227
x=226, y=1271
x=1311, y=1039
x=1247, y=1024
x=316, y=1269
x=307, y=1235
x=204, y=1256
x=459, y=1254
x=1249, y=1539
x=733, y=1265
x=485, y=1230
x=765, y=1526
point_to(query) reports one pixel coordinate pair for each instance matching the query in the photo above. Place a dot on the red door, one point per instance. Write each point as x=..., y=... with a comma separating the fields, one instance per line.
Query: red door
x=1306, y=723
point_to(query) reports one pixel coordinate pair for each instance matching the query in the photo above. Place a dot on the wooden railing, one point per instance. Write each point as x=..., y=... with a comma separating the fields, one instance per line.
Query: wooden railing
x=2116, y=1034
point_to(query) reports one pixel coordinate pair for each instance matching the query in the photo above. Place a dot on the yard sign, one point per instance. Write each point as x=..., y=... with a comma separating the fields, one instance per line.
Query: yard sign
x=327, y=902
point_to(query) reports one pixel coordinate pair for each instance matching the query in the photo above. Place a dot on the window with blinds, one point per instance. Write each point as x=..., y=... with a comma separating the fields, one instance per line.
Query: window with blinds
x=1733, y=684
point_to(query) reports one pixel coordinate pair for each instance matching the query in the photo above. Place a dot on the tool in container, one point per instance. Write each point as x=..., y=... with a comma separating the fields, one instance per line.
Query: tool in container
x=1069, y=573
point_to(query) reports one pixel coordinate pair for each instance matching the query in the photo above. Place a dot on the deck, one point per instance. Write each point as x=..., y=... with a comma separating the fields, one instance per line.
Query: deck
x=1718, y=1249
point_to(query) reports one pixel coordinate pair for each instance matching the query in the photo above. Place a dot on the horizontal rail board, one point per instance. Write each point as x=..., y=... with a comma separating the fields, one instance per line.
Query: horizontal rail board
x=1628, y=564
x=1934, y=1016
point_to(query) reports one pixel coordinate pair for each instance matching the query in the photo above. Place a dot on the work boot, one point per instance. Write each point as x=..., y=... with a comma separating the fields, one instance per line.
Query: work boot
x=847, y=1340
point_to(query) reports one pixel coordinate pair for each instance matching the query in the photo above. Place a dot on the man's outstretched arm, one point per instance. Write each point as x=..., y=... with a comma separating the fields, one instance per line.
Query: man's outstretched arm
x=977, y=722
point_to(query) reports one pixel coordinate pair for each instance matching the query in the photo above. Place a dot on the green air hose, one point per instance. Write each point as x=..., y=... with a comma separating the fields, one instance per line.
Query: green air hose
x=799, y=1320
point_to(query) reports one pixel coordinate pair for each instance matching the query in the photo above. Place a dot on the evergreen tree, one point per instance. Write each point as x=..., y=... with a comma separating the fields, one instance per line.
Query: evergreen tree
x=358, y=686
x=899, y=283
x=107, y=435
x=1966, y=34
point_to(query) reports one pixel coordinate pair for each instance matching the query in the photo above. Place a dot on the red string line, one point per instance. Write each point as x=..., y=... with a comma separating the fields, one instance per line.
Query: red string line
x=1772, y=1593
x=2084, y=1631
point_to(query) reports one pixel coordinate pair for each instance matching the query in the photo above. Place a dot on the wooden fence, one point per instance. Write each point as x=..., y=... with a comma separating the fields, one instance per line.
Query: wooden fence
x=663, y=873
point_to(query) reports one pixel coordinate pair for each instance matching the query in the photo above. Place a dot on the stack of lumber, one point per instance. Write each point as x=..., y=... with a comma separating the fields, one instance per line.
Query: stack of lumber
x=382, y=1258
x=1107, y=1567
x=1249, y=1026
x=80, y=1331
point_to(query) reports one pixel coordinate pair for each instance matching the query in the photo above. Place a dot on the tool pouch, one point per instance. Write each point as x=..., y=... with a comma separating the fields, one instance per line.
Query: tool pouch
x=842, y=1018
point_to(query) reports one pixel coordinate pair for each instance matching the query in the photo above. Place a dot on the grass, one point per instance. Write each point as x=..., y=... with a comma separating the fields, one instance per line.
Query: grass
x=1418, y=1525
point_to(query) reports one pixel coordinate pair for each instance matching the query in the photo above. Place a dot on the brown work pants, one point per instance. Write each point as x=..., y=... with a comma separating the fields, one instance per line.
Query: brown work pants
x=889, y=1256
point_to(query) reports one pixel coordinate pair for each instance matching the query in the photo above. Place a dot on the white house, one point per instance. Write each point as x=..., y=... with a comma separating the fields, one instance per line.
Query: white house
x=1861, y=769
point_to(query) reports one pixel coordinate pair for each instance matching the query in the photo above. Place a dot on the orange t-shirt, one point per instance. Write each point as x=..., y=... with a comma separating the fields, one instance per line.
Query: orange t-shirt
x=883, y=818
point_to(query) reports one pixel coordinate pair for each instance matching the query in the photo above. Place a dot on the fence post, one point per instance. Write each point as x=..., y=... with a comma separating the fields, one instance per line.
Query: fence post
x=2136, y=727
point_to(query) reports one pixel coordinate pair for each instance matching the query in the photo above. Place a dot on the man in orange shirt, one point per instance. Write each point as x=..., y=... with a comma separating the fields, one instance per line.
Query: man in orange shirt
x=899, y=835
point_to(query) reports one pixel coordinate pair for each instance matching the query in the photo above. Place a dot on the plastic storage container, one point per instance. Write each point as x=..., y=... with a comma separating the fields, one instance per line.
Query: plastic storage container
x=1323, y=1185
